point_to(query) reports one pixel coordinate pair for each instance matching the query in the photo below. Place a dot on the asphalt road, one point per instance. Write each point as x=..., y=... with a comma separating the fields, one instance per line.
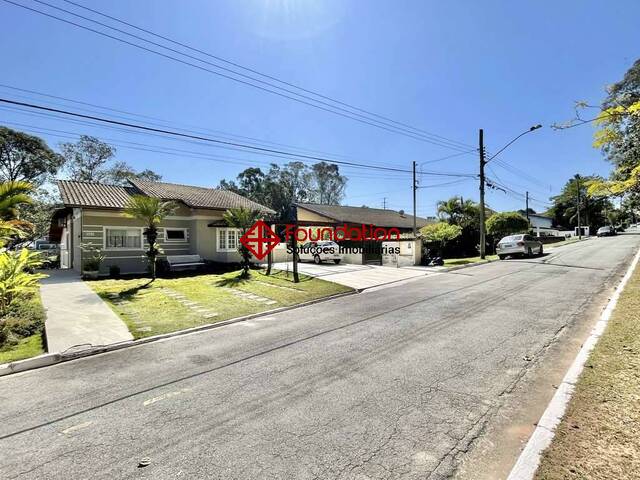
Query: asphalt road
x=393, y=383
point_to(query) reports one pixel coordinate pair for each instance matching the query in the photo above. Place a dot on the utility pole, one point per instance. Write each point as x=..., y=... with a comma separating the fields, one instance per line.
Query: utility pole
x=415, y=188
x=578, y=208
x=384, y=203
x=527, y=207
x=482, y=181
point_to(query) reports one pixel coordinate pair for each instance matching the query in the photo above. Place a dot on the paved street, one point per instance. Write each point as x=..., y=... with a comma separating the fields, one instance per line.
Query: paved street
x=357, y=276
x=392, y=383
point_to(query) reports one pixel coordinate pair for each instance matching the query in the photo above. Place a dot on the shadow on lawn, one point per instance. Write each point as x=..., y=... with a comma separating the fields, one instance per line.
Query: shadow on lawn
x=127, y=294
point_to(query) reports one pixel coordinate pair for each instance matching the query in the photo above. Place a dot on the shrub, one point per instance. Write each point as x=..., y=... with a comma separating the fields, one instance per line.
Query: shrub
x=114, y=271
x=15, y=279
x=506, y=223
x=440, y=233
x=25, y=317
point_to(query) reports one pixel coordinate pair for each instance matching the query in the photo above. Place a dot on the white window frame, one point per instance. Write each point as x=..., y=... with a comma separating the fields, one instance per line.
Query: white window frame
x=121, y=227
x=173, y=240
x=226, y=232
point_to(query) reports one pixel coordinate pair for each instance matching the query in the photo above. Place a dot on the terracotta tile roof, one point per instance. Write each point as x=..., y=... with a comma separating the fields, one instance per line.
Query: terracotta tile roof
x=99, y=195
x=364, y=215
x=92, y=194
x=197, y=197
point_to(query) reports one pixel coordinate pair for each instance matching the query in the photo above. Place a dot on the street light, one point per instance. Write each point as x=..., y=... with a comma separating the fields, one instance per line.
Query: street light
x=483, y=162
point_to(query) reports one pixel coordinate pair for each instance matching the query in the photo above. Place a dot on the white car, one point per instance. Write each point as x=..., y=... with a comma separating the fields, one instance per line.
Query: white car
x=318, y=252
x=518, y=245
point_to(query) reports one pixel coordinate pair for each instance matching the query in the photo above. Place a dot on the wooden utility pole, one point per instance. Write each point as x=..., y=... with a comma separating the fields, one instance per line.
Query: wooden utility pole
x=578, y=207
x=415, y=188
x=482, y=181
x=527, y=207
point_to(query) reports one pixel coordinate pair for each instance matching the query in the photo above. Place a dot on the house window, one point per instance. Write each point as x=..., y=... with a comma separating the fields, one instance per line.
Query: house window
x=227, y=240
x=175, y=234
x=118, y=237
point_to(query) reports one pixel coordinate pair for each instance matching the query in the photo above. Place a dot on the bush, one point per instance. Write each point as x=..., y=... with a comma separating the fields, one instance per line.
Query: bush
x=15, y=277
x=25, y=317
x=114, y=271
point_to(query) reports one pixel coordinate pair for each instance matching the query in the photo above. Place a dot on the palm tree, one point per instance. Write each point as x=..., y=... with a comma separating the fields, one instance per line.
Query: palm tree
x=242, y=219
x=152, y=211
x=12, y=195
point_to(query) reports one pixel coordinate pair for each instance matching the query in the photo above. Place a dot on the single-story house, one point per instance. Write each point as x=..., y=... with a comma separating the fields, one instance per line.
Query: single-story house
x=368, y=252
x=93, y=216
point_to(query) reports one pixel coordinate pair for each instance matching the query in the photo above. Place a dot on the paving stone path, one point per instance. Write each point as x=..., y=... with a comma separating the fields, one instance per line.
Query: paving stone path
x=252, y=296
x=191, y=305
x=125, y=308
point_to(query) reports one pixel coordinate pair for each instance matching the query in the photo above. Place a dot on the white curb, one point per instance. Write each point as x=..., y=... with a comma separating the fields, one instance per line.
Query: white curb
x=527, y=464
x=52, y=358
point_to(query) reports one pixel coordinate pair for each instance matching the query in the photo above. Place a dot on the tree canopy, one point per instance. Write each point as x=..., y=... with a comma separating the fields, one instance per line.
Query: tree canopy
x=24, y=157
x=282, y=186
x=506, y=223
x=92, y=160
x=592, y=210
x=441, y=232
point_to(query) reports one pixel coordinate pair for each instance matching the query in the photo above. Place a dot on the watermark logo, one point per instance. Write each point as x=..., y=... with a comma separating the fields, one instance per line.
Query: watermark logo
x=260, y=239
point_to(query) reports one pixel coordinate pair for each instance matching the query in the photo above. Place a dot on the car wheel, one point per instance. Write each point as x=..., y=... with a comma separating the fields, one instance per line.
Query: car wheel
x=502, y=257
x=336, y=261
x=317, y=260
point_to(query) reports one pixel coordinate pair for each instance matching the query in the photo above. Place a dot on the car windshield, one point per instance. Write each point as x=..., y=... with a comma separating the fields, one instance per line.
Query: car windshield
x=327, y=244
x=511, y=238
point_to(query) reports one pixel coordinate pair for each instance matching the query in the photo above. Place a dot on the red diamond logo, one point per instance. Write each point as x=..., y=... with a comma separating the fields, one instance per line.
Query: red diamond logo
x=260, y=239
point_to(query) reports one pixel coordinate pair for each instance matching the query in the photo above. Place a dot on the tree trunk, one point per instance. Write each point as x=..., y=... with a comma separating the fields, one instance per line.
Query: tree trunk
x=152, y=236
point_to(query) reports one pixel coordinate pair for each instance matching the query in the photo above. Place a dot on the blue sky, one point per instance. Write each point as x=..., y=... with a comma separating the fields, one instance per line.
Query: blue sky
x=445, y=67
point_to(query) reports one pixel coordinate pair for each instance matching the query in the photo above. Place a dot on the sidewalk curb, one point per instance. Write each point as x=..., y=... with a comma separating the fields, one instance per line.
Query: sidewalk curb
x=53, y=358
x=528, y=461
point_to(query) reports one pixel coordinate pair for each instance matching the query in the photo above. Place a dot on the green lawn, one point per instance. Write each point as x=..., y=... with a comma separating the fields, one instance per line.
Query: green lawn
x=25, y=348
x=163, y=307
x=452, y=262
x=598, y=436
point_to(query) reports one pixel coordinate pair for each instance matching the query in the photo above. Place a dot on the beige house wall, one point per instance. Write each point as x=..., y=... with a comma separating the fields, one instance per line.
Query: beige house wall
x=88, y=228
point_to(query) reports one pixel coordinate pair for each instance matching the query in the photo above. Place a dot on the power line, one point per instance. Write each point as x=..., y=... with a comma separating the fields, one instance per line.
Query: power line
x=164, y=123
x=216, y=141
x=149, y=32
x=352, y=115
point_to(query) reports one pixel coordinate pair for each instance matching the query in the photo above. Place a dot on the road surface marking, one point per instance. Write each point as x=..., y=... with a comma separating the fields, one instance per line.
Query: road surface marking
x=165, y=396
x=76, y=427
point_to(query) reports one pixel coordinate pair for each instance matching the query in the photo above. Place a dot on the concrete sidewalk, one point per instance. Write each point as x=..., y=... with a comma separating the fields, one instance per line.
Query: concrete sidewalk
x=76, y=315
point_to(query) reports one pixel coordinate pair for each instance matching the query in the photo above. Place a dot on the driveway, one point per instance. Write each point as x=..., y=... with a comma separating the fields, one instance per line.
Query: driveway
x=357, y=276
x=76, y=316
x=405, y=382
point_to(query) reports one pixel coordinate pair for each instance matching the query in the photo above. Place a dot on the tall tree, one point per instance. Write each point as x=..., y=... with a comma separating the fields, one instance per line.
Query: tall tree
x=282, y=186
x=91, y=160
x=26, y=157
x=573, y=195
x=87, y=159
x=121, y=171
x=326, y=184
x=152, y=211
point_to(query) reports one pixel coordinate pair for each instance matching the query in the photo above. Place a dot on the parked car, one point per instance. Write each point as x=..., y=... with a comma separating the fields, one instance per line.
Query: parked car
x=606, y=231
x=519, y=245
x=318, y=252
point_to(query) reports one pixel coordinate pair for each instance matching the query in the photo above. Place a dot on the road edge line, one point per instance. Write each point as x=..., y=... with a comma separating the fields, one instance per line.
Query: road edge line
x=529, y=459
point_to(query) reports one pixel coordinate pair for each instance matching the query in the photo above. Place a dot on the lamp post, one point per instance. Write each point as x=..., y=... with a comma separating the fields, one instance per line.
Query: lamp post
x=483, y=162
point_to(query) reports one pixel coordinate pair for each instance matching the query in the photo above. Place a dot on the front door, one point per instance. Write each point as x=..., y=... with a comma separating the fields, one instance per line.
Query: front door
x=65, y=258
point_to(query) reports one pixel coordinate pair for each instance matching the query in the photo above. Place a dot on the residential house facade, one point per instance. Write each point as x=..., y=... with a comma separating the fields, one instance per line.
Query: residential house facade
x=316, y=215
x=93, y=216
